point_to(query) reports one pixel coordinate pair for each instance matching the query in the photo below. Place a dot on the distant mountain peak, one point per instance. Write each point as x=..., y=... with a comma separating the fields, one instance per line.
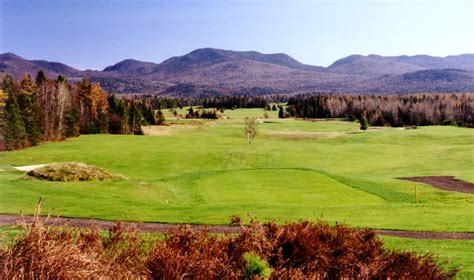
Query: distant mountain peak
x=17, y=66
x=210, y=56
x=131, y=67
x=9, y=55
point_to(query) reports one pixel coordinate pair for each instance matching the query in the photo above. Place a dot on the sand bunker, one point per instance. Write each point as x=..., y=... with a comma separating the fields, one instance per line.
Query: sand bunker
x=29, y=167
x=448, y=183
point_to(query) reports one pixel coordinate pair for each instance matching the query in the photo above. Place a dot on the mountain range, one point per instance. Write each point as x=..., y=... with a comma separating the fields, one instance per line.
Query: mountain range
x=209, y=71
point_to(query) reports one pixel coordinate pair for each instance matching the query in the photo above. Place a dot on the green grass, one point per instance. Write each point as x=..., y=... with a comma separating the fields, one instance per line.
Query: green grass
x=295, y=169
x=451, y=253
x=8, y=234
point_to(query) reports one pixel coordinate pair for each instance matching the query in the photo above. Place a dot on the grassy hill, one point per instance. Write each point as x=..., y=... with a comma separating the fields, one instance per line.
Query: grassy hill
x=205, y=171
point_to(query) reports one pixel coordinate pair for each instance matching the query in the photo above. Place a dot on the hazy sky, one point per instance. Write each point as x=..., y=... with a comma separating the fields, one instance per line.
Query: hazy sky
x=97, y=33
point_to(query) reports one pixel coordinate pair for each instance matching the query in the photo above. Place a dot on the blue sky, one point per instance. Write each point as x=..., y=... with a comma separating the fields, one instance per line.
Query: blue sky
x=94, y=34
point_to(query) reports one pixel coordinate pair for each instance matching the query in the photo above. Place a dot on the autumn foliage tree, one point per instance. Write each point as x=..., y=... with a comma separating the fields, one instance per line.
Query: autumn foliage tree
x=29, y=111
x=52, y=110
x=93, y=107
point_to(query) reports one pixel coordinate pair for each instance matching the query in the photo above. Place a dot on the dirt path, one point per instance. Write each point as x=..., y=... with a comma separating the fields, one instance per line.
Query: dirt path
x=448, y=183
x=163, y=228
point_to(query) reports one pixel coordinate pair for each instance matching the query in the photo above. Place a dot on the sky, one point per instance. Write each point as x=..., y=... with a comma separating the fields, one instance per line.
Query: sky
x=93, y=34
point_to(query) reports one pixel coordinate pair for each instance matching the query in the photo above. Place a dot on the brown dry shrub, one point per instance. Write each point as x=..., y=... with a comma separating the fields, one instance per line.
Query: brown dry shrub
x=189, y=254
x=71, y=171
x=301, y=250
x=320, y=251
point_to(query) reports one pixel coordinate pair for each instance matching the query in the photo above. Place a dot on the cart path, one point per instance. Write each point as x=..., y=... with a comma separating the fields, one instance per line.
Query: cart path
x=6, y=219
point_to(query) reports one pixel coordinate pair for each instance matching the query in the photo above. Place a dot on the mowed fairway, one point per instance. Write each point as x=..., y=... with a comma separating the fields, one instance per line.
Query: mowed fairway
x=205, y=171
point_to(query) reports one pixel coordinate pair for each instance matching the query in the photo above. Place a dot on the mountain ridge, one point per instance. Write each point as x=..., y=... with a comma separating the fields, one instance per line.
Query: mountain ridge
x=216, y=71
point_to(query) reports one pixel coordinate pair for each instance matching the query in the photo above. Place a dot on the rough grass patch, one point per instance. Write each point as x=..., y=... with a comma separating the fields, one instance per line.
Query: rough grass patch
x=71, y=172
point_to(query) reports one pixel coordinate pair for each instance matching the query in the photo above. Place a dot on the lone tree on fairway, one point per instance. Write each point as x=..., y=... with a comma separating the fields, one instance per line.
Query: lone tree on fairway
x=363, y=121
x=250, y=128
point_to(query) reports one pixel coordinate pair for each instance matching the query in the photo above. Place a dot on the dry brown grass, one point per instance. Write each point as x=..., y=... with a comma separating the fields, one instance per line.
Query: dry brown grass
x=69, y=253
x=294, y=251
x=71, y=171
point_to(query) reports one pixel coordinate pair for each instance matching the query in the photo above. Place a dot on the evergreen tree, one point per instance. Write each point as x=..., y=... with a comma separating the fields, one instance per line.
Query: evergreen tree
x=274, y=107
x=40, y=78
x=14, y=127
x=118, y=116
x=148, y=113
x=281, y=113
x=71, y=122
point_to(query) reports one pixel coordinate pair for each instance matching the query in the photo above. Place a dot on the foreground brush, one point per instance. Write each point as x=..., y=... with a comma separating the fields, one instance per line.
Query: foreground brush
x=301, y=250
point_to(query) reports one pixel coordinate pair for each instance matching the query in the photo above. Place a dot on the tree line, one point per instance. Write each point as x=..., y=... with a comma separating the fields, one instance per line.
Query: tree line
x=201, y=114
x=390, y=110
x=51, y=110
x=236, y=101
x=221, y=103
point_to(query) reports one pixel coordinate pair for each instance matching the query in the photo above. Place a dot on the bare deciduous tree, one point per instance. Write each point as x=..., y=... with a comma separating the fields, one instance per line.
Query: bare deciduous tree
x=250, y=128
x=63, y=105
